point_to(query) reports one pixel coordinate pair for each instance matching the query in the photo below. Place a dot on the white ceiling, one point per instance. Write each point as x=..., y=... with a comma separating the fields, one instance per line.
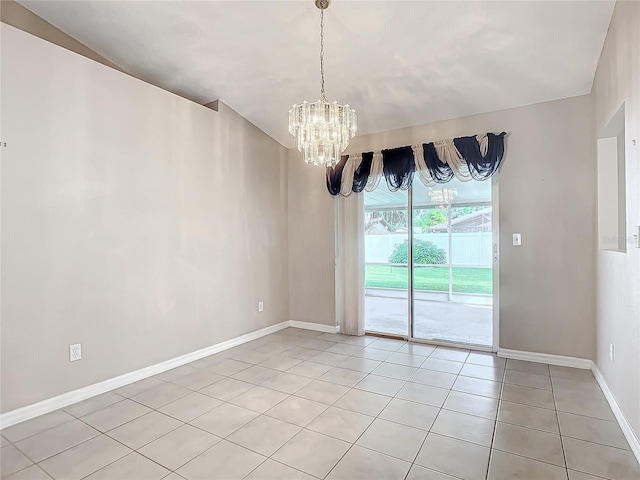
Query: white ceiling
x=399, y=63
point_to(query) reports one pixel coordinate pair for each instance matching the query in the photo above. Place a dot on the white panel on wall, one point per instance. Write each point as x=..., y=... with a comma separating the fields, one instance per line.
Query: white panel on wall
x=608, y=193
x=612, y=224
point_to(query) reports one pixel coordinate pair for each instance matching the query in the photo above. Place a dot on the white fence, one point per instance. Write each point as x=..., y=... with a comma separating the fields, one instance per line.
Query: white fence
x=469, y=249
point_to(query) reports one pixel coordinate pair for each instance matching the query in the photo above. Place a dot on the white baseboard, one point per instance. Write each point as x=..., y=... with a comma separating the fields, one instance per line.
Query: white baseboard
x=558, y=360
x=629, y=434
x=318, y=327
x=49, y=405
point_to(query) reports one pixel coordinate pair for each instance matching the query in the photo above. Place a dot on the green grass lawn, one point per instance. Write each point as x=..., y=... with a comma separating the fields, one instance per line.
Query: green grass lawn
x=465, y=279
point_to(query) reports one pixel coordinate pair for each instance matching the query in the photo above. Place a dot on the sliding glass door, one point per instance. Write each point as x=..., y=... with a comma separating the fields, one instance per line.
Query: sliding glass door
x=429, y=276
x=387, y=262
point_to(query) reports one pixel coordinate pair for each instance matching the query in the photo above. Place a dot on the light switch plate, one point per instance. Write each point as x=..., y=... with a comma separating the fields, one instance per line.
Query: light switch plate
x=517, y=239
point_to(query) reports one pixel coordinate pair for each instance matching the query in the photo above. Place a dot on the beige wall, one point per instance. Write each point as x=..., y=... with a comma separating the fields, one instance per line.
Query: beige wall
x=547, y=193
x=618, y=274
x=134, y=222
x=80, y=264
x=311, y=244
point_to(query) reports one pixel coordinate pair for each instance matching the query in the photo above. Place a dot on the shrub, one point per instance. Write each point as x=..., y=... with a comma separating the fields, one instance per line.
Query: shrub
x=423, y=252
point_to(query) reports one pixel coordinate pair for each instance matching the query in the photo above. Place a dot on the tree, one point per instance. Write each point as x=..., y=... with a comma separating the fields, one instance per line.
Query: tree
x=460, y=211
x=429, y=218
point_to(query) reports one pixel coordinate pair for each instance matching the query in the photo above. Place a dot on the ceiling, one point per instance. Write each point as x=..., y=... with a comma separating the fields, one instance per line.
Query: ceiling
x=466, y=193
x=399, y=63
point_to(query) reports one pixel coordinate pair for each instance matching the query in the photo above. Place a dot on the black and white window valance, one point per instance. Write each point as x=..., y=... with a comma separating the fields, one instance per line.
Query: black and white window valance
x=466, y=158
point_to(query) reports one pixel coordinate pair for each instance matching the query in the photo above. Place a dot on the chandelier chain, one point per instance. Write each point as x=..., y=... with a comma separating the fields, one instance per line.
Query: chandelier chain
x=322, y=92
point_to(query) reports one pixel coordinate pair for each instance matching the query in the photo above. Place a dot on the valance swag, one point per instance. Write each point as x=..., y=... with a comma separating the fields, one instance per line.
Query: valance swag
x=477, y=157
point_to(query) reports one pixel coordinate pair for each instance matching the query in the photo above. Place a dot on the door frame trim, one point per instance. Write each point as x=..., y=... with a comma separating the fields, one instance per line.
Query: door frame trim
x=410, y=269
x=495, y=268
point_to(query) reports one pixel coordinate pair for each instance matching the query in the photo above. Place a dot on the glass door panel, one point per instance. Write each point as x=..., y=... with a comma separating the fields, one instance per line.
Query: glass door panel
x=452, y=263
x=438, y=261
x=386, y=262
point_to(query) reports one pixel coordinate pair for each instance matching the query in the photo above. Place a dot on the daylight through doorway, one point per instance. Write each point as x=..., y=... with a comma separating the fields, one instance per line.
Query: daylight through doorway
x=428, y=275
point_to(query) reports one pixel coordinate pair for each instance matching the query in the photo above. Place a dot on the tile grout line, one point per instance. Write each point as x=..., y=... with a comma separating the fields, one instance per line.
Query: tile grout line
x=156, y=410
x=374, y=419
x=564, y=453
x=544, y=431
x=133, y=450
x=495, y=424
x=292, y=346
x=105, y=433
x=332, y=405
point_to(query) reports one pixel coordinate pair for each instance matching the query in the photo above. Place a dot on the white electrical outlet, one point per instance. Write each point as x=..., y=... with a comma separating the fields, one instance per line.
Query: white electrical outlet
x=611, y=352
x=517, y=239
x=261, y=306
x=75, y=352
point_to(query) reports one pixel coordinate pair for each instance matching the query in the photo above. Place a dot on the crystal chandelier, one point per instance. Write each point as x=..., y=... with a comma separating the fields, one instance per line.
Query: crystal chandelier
x=322, y=129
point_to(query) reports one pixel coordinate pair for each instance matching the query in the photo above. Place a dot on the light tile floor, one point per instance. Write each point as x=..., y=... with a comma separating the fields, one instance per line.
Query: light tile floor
x=299, y=404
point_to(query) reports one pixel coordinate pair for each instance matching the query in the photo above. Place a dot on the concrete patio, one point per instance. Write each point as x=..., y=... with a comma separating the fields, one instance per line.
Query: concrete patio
x=466, y=319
